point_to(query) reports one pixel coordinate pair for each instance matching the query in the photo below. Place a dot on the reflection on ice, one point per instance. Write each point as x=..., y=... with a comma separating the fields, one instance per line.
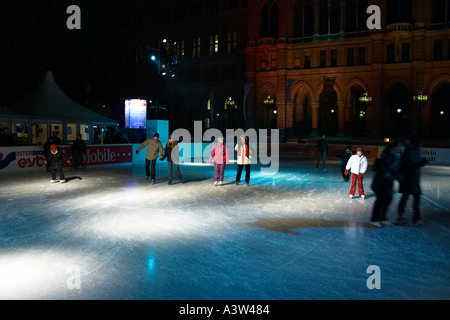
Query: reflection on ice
x=33, y=275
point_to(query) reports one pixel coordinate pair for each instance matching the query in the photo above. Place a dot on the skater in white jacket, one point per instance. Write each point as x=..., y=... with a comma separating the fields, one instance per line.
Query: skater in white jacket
x=357, y=164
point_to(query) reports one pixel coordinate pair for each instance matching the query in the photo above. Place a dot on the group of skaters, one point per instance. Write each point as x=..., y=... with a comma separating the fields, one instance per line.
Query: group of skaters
x=219, y=156
x=394, y=164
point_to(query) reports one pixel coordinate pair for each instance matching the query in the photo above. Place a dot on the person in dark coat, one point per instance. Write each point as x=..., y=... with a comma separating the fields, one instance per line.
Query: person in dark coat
x=387, y=169
x=46, y=147
x=345, y=156
x=56, y=159
x=411, y=164
x=78, y=149
x=322, y=148
x=171, y=153
x=56, y=139
x=6, y=139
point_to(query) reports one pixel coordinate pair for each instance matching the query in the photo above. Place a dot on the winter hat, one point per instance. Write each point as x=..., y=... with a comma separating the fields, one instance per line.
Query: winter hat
x=53, y=147
x=156, y=135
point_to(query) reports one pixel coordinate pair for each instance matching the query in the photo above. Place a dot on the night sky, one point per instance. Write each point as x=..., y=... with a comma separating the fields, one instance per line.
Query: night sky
x=35, y=38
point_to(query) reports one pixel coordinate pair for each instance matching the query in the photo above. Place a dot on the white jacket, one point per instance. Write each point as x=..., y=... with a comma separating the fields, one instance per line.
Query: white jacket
x=357, y=164
x=241, y=156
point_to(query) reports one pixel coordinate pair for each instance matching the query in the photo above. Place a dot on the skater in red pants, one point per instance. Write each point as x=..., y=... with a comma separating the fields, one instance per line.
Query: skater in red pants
x=357, y=164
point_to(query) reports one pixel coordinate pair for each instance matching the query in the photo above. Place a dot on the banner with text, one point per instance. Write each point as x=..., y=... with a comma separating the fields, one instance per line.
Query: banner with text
x=31, y=158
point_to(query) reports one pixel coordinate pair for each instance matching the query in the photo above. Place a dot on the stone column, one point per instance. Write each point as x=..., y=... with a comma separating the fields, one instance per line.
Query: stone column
x=315, y=118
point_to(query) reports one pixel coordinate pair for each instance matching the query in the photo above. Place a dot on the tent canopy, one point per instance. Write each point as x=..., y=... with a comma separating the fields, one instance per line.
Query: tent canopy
x=49, y=101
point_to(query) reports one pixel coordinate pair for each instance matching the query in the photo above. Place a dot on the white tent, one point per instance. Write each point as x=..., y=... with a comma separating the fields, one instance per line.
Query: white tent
x=47, y=109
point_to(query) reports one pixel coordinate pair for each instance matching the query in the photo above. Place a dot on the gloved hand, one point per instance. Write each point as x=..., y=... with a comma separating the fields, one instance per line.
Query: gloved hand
x=137, y=151
x=346, y=172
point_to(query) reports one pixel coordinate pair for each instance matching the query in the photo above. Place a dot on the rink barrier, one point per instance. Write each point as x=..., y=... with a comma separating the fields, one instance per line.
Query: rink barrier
x=25, y=158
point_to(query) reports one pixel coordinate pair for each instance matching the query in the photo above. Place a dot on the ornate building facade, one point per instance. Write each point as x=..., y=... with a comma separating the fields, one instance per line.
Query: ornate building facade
x=306, y=67
x=316, y=68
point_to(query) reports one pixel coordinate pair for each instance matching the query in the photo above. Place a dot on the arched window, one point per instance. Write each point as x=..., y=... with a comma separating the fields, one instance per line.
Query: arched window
x=269, y=20
x=440, y=11
x=399, y=11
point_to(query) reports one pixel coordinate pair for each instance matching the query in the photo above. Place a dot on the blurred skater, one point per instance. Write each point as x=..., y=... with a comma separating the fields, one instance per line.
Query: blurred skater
x=410, y=169
x=387, y=169
x=56, y=160
x=220, y=154
x=154, y=147
x=244, y=156
x=345, y=156
x=322, y=149
x=78, y=149
x=357, y=164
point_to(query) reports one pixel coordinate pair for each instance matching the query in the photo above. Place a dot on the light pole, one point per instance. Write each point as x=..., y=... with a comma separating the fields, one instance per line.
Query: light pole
x=269, y=102
x=230, y=106
x=166, y=61
x=365, y=99
x=420, y=99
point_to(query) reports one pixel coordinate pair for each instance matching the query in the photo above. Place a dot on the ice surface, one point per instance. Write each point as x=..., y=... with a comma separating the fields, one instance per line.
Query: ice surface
x=109, y=234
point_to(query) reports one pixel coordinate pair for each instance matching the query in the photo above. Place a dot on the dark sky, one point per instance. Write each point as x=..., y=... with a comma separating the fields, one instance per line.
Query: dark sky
x=34, y=38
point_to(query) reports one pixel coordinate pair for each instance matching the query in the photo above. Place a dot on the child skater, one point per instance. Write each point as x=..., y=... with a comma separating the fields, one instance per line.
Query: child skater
x=221, y=156
x=56, y=160
x=357, y=164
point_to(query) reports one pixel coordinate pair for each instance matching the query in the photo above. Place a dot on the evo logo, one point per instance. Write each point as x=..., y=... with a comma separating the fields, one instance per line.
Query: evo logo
x=4, y=162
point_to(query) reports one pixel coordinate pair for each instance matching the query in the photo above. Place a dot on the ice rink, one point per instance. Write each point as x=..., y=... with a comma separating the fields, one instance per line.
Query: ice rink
x=295, y=235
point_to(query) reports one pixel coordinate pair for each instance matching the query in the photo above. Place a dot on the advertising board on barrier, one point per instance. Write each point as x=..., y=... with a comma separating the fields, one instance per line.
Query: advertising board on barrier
x=310, y=150
x=31, y=158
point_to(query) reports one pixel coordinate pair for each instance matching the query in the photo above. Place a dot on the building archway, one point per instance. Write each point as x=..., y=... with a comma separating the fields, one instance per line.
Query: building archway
x=398, y=111
x=440, y=111
x=302, y=113
x=328, y=123
x=356, y=112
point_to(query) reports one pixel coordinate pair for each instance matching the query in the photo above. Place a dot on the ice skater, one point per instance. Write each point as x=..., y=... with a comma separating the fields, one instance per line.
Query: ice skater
x=322, y=148
x=56, y=159
x=345, y=156
x=78, y=149
x=244, y=156
x=410, y=169
x=171, y=152
x=220, y=154
x=357, y=164
x=154, y=147
x=387, y=169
